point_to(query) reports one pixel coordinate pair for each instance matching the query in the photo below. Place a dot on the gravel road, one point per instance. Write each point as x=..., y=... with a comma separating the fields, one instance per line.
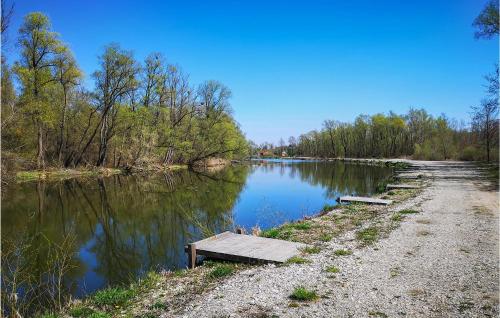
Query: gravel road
x=441, y=262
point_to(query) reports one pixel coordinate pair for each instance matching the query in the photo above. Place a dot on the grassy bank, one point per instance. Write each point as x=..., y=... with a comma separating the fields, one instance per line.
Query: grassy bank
x=61, y=174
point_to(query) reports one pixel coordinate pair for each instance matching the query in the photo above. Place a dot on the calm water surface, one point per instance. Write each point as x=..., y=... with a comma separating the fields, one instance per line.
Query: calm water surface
x=118, y=227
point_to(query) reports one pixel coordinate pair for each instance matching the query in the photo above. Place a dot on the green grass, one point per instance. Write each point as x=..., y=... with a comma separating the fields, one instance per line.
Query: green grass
x=391, y=193
x=49, y=315
x=368, y=235
x=159, y=305
x=99, y=314
x=297, y=260
x=326, y=237
x=277, y=233
x=302, y=225
x=408, y=211
x=112, y=297
x=285, y=231
x=221, y=270
x=327, y=207
x=311, y=249
x=81, y=311
x=302, y=294
x=332, y=269
x=342, y=252
x=397, y=217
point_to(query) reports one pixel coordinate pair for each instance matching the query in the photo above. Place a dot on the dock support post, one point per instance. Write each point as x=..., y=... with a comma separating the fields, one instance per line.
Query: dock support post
x=191, y=251
x=240, y=230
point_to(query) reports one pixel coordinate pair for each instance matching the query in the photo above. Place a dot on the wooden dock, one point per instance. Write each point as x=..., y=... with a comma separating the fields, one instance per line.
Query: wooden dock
x=243, y=248
x=402, y=186
x=364, y=200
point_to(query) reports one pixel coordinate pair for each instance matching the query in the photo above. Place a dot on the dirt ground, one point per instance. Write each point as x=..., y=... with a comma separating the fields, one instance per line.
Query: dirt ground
x=440, y=262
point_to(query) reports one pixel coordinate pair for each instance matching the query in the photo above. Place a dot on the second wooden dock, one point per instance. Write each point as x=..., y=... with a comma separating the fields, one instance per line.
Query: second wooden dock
x=364, y=200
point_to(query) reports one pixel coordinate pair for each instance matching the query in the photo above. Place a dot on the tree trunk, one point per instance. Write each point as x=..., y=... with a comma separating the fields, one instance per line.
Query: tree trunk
x=61, y=127
x=103, y=144
x=40, y=151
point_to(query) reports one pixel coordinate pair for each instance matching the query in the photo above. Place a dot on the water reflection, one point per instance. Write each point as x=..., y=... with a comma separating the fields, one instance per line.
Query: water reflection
x=121, y=226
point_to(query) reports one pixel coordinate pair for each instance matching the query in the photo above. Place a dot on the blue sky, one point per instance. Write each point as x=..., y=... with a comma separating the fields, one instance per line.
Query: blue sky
x=292, y=64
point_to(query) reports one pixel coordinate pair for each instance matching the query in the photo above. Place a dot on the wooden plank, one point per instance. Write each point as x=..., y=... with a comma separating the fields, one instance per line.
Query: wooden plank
x=364, y=200
x=402, y=186
x=247, y=248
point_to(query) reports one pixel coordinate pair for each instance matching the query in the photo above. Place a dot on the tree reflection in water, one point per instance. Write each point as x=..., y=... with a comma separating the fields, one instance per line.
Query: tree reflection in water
x=121, y=226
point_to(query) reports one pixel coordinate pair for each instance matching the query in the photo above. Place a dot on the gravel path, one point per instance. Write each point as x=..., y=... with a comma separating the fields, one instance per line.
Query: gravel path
x=441, y=262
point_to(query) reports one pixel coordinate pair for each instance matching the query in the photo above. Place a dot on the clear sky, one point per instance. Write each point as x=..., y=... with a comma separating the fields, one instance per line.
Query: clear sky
x=292, y=64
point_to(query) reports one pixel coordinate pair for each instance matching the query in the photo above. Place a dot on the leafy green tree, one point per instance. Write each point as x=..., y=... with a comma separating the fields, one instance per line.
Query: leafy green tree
x=40, y=48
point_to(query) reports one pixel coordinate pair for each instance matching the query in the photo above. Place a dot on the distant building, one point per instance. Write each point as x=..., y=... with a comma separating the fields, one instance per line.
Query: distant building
x=284, y=154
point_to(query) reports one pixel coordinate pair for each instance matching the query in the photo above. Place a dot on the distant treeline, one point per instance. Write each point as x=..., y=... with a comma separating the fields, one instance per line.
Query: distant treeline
x=138, y=113
x=415, y=134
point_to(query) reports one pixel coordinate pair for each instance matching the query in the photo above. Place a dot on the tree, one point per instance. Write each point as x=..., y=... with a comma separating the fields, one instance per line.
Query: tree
x=5, y=22
x=487, y=21
x=330, y=126
x=484, y=120
x=154, y=72
x=68, y=76
x=40, y=47
x=115, y=79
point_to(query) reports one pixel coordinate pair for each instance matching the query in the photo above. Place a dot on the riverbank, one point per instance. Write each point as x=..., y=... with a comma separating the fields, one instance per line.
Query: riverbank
x=345, y=242
x=63, y=173
x=190, y=283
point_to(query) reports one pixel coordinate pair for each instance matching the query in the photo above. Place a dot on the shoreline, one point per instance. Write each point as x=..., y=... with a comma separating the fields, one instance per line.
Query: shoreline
x=211, y=274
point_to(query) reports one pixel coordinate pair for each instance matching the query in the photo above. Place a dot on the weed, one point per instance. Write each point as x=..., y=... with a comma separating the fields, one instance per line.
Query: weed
x=302, y=294
x=311, y=249
x=341, y=252
x=368, y=235
x=99, y=314
x=302, y=226
x=49, y=315
x=293, y=305
x=297, y=260
x=393, y=272
x=377, y=314
x=327, y=207
x=408, y=211
x=159, y=305
x=112, y=297
x=391, y=193
x=325, y=237
x=416, y=292
x=221, y=270
x=397, y=217
x=332, y=269
x=283, y=233
x=81, y=311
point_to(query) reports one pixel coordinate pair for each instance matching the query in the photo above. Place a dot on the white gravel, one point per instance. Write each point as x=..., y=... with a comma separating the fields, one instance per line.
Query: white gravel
x=442, y=262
